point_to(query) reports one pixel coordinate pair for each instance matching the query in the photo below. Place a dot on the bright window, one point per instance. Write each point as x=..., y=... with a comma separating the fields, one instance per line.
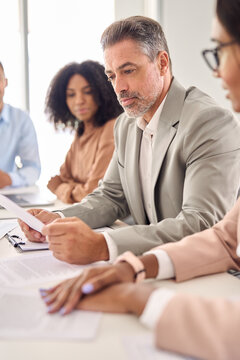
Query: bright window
x=10, y=47
x=60, y=31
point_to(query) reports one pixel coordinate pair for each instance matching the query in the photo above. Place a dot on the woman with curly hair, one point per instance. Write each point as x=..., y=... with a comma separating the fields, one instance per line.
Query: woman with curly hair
x=81, y=98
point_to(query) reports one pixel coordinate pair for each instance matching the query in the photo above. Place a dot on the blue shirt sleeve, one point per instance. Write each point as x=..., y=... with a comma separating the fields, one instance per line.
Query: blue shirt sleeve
x=19, y=140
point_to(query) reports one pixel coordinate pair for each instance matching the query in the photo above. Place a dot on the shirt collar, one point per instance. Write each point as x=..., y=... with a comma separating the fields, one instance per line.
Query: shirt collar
x=151, y=127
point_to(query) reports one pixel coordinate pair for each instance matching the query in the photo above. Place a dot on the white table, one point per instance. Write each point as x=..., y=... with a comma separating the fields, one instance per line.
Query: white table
x=109, y=341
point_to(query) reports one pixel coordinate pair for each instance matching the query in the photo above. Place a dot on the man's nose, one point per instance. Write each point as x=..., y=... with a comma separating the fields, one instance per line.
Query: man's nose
x=120, y=85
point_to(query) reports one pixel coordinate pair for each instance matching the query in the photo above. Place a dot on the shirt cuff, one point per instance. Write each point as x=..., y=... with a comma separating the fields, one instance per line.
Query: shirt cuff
x=238, y=250
x=165, y=265
x=155, y=307
x=60, y=214
x=112, y=247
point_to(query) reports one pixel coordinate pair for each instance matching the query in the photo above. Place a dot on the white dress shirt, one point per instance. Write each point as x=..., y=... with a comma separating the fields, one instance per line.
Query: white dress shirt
x=155, y=306
x=145, y=159
x=145, y=170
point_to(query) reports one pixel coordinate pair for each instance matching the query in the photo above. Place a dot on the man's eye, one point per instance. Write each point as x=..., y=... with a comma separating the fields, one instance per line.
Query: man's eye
x=110, y=78
x=128, y=71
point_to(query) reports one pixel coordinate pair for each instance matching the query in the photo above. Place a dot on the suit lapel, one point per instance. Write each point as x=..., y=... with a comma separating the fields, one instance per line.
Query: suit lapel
x=133, y=142
x=166, y=131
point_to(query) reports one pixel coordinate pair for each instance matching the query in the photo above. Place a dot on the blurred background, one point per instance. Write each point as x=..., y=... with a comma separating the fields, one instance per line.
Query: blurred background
x=37, y=38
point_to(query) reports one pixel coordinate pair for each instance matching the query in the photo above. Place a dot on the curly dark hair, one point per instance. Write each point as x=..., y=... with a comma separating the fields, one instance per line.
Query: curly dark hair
x=102, y=90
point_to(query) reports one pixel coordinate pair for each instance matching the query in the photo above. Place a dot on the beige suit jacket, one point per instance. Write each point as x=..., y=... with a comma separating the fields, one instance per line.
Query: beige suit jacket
x=190, y=325
x=195, y=173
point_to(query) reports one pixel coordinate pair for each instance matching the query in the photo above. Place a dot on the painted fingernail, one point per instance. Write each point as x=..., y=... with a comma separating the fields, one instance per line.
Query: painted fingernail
x=87, y=288
x=43, y=292
x=62, y=311
x=47, y=299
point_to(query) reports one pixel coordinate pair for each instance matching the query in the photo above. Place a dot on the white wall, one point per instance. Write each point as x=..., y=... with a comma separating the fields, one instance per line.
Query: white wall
x=125, y=8
x=187, y=25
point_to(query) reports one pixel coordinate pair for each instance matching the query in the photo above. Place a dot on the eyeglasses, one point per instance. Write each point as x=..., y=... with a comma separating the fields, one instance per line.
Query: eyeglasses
x=211, y=56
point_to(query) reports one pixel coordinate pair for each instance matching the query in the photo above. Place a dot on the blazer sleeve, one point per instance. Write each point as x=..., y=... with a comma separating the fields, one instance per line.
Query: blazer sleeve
x=207, y=252
x=200, y=328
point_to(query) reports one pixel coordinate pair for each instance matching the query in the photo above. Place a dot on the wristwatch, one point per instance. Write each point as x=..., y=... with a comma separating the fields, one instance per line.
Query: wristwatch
x=136, y=264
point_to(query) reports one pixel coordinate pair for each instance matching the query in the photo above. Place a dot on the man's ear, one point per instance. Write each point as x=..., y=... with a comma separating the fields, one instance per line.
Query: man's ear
x=163, y=62
x=6, y=82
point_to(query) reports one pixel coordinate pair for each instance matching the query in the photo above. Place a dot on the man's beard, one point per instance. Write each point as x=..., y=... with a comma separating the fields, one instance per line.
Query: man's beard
x=141, y=104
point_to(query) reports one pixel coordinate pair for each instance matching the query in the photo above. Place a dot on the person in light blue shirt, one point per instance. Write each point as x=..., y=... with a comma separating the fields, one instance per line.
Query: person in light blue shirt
x=17, y=138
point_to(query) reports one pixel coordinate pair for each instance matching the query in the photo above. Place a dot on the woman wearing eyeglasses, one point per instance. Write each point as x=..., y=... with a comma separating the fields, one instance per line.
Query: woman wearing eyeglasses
x=224, y=59
x=186, y=324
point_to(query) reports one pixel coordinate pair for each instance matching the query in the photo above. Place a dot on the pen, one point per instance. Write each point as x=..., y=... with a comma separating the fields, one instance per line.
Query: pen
x=15, y=243
x=18, y=242
x=12, y=241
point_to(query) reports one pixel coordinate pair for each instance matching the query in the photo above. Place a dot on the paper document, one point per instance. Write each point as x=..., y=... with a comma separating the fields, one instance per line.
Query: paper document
x=17, y=238
x=141, y=347
x=23, y=315
x=20, y=213
x=6, y=226
x=36, y=268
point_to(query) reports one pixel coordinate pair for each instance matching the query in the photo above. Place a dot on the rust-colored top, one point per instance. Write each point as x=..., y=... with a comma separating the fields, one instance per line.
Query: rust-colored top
x=85, y=164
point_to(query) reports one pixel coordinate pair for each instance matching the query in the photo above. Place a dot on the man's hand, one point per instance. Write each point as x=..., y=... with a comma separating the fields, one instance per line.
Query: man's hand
x=71, y=240
x=5, y=179
x=45, y=216
x=66, y=295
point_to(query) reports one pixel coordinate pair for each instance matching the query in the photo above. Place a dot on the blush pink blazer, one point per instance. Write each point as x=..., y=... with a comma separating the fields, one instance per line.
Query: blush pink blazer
x=195, y=326
x=200, y=328
x=210, y=251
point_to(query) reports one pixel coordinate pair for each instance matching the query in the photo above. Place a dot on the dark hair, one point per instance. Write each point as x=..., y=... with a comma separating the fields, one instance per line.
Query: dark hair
x=145, y=31
x=103, y=94
x=228, y=13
